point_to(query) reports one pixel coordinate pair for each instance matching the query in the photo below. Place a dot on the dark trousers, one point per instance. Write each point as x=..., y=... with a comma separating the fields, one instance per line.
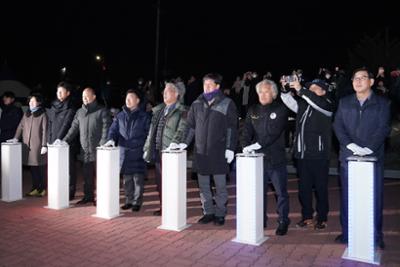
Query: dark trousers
x=88, y=170
x=72, y=173
x=313, y=174
x=158, y=170
x=378, y=197
x=278, y=177
x=38, y=181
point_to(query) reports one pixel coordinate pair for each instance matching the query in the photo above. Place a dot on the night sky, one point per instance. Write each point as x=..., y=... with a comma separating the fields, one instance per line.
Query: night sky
x=196, y=37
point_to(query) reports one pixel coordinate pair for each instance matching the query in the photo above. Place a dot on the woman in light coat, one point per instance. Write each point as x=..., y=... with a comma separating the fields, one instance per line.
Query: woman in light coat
x=33, y=130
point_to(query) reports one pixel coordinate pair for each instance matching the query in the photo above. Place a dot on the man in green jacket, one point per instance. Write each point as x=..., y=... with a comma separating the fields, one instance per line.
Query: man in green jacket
x=168, y=126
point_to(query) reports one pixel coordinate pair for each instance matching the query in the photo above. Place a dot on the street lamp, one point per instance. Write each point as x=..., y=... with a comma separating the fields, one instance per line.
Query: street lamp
x=98, y=58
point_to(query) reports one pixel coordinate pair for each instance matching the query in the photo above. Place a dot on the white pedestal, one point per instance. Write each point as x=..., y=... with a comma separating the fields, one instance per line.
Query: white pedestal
x=58, y=177
x=174, y=190
x=11, y=171
x=107, y=189
x=361, y=245
x=249, y=199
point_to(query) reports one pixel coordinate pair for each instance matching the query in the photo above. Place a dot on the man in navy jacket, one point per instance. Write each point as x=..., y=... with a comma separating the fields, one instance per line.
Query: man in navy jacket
x=361, y=124
x=129, y=130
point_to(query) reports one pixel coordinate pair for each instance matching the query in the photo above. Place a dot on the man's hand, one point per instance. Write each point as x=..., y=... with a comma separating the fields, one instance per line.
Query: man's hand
x=251, y=148
x=229, y=155
x=43, y=150
x=109, y=143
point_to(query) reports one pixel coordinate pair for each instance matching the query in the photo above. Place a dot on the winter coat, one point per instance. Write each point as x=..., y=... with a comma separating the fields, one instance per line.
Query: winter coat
x=266, y=125
x=367, y=125
x=33, y=129
x=91, y=122
x=9, y=121
x=129, y=130
x=60, y=115
x=214, y=127
x=174, y=130
x=313, y=124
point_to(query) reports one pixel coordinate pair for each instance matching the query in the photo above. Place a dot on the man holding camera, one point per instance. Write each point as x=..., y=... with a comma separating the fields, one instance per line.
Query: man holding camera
x=264, y=131
x=312, y=145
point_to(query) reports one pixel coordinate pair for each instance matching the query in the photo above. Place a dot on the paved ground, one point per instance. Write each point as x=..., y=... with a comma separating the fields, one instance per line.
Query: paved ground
x=31, y=235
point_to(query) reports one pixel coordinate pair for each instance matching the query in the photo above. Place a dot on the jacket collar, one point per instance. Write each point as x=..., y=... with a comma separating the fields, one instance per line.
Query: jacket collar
x=35, y=114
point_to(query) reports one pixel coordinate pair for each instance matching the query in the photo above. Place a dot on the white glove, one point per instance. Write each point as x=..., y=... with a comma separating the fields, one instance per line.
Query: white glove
x=251, y=148
x=59, y=142
x=367, y=151
x=356, y=149
x=175, y=146
x=109, y=143
x=43, y=150
x=13, y=141
x=229, y=155
x=145, y=157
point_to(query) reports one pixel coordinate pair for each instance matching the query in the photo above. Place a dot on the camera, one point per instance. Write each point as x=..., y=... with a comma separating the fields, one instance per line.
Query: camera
x=288, y=79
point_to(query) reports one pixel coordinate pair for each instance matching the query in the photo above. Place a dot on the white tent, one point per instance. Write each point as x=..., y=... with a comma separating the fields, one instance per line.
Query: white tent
x=18, y=88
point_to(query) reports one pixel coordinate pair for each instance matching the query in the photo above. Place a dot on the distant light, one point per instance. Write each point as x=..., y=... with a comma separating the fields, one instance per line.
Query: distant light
x=63, y=70
x=98, y=57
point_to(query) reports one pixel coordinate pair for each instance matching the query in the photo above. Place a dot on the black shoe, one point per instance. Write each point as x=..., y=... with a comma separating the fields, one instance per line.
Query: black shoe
x=206, y=219
x=135, y=207
x=320, y=225
x=157, y=213
x=219, y=221
x=127, y=206
x=71, y=197
x=341, y=239
x=85, y=201
x=305, y=223
x=282, y=228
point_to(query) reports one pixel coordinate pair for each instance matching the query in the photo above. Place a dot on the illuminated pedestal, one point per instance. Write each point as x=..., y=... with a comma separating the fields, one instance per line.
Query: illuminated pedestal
x=58, y=177
x=361, y=245
x=173, y=191
x=11, y=171
x=107, y=189
x=249, y=199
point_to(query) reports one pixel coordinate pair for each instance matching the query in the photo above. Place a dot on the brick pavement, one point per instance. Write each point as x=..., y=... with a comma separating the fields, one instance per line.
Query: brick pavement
x=31, y=235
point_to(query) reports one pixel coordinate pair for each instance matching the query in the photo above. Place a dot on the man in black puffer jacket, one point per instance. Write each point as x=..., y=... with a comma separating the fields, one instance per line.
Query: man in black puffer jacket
x=264, y=131
x=60, y=117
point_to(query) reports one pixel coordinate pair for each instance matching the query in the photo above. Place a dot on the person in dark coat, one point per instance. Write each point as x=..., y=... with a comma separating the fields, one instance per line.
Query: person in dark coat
x=10, y=116
x=168, y=127
x=91, y=122
x=312, y=146
x=362, y=123
x=264, y=131
x=33, y=130
x=129, y=130
x=60, y=117
x=212, y=121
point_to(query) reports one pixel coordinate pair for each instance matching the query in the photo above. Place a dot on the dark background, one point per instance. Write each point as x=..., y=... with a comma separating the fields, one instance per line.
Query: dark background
x=196, y=37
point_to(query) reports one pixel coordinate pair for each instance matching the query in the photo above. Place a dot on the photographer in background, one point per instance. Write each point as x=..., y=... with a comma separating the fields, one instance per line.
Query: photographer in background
x=312, y=144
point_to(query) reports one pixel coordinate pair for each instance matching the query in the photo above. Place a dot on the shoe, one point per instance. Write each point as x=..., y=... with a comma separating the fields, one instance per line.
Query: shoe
x=127, y=206
x=340, y=239
x=33, y=193
x=206, y=219
x=84, y=201
x=305, y=223
x=320, y=225
x=41, y=193
x=219, y=221
x=282, y=228
x=135, y=208
x=157, y=213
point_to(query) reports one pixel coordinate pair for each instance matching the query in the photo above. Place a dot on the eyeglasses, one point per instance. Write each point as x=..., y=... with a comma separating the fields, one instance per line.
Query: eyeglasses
x=362, y=78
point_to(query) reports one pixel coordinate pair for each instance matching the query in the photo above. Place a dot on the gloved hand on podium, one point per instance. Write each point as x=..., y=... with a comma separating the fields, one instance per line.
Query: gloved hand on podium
x=177, y=147
x=109, y=143
x=229, y=155
x=13, y=141
x=359, y=151
x=59, y=142
x=251, y=148
x=43, y=150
